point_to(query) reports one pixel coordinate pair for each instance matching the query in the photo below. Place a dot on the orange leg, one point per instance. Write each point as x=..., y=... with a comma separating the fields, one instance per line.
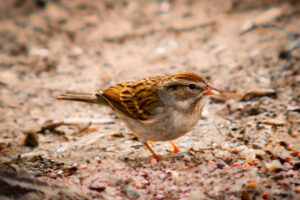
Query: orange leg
x=150, y=142
x=153, y=153
x=175, y=148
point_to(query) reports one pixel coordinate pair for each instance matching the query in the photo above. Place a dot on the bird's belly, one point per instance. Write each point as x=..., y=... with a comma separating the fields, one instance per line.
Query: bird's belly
x=163, y=129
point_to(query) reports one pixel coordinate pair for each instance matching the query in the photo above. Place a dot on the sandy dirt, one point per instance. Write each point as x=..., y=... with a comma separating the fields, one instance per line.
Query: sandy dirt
x=246, y=146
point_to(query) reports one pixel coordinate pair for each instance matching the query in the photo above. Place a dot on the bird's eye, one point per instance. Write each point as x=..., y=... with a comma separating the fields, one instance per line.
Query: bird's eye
x=192, y=86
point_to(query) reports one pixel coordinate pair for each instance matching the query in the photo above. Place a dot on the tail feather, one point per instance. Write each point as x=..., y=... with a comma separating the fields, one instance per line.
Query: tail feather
x=83, y=97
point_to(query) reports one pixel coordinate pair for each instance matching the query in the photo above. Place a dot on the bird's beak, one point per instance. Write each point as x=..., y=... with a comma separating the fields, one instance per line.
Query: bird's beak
x=208, y=90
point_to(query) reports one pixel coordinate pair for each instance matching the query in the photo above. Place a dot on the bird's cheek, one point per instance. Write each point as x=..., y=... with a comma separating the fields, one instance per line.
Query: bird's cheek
x=180, y=95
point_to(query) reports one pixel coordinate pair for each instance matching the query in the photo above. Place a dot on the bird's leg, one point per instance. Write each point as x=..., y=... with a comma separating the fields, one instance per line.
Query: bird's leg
x=153, y=153
x=150, y=142
x=175, y=148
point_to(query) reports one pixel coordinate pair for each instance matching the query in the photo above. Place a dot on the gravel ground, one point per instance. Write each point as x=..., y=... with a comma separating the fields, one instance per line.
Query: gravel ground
x=246, y=146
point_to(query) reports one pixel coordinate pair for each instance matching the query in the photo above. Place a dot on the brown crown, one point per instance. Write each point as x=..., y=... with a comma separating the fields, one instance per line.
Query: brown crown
x=189, y=76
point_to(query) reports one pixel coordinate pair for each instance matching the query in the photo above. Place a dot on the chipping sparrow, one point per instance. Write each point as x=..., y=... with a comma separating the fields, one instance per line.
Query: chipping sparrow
x=157, y=108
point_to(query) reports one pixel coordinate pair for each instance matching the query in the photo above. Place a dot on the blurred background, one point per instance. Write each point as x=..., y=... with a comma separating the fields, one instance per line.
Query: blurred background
x=247, y=49
x=49, y=46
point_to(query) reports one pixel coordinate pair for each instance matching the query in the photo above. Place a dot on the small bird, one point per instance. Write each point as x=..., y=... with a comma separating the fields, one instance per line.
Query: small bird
x=156, y=108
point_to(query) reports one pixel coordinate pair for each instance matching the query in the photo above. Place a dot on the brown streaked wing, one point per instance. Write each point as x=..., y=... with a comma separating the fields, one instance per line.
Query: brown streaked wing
x=140, y=97
x=112, y=95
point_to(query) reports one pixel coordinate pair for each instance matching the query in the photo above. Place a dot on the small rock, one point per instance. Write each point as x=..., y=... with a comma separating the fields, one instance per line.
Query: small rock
x=91, y=19
x=273, y=166
x=296, y=166
x=39, y=52
x=160, y=50
x=130, y=192
x=255, y=53
x=61, y=149
x=98, y=159
x=250, y=157
x=221, y=164
x=77, y=51
x=31, y=139
x=259, y=152
x=252, y=185
x=162, y=176
x=173, y=173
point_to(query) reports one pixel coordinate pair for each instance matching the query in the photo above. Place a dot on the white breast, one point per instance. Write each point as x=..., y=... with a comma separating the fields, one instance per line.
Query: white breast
x=167, y=125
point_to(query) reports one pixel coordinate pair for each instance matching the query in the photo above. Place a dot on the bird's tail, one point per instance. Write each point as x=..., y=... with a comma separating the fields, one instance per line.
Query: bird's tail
x=83, y=97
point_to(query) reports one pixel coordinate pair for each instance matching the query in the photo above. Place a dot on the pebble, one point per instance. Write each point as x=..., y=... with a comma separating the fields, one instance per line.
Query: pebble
x=39, y=52
x=98, y=159
x=91, y=19
x=160, y=50
x=296, y=166
x=255, y=53
x=77, y=51
x=61, y=150
x=252, y=185
x=173, y=173
x=273, y=166
x=250, y=157
x=31, y=139
x=131, y=192
x=162, y=176
x=259, y=152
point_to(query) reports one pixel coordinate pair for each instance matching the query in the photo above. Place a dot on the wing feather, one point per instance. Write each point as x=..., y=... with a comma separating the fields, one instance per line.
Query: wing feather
x=140, y=98
x=136, y=99
x=112, y=96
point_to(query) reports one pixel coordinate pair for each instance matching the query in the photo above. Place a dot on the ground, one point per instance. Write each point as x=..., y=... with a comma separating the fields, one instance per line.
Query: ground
x=246, y=146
